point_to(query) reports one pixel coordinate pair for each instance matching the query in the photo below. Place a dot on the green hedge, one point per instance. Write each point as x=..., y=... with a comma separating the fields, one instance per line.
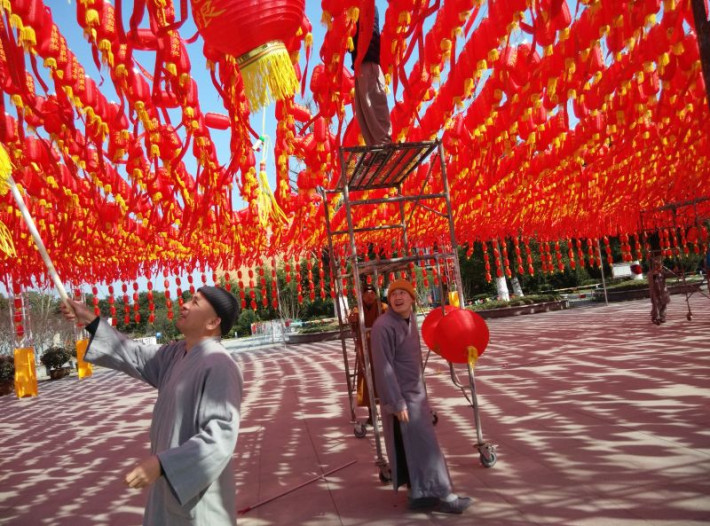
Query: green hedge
x=7, y=368
x=318, y=326
x=516, y=302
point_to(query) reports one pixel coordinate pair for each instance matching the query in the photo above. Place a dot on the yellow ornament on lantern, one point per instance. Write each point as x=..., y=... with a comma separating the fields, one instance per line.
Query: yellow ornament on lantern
x=254, y=32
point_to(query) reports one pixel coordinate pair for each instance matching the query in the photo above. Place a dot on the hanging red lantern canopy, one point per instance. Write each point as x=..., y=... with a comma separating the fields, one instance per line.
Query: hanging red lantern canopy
x=254, y=32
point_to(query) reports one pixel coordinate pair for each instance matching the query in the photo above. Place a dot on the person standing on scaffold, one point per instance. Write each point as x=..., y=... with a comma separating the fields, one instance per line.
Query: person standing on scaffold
x=660, y=297
x=370, y=101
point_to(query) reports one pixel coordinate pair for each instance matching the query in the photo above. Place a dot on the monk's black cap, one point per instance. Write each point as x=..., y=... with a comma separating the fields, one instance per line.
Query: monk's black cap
x=223, y=303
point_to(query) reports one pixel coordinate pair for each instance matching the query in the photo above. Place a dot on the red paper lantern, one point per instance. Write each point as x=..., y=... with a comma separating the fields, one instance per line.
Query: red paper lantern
x=458, y=332
x=254, y=32
x=430, y=322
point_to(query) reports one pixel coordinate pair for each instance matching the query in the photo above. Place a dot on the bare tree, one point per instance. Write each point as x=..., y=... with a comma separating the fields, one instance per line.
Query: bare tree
x=47, y=322
x=7, y=336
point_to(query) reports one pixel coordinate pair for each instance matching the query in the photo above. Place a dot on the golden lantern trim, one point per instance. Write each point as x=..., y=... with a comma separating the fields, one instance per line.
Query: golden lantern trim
x=268, y=74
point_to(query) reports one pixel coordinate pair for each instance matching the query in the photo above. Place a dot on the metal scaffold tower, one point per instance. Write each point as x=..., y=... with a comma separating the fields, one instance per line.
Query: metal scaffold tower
x=404, y=186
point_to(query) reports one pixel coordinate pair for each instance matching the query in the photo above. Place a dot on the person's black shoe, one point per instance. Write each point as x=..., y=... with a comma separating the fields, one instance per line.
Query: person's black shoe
x=456, y=506
x=423, y=504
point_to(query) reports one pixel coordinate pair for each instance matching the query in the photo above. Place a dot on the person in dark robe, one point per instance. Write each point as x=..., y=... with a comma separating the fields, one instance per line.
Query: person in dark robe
x=370, y=100
x=372, y=307
x=413, y=450
x=196, y=418
x=660, y=297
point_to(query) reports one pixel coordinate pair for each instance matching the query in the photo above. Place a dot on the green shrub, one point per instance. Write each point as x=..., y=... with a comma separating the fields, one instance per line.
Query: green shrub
x=635, y=284
x=516, y=302
x=243, y=325
x=7, y=368
x=311, y=328
x=55, y=357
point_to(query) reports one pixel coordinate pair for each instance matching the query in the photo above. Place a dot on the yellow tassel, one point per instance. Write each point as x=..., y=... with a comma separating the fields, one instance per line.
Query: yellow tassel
x=15, y=21
x=7, y=247
x=268, y=75
x=472, y=356
x=92, y=17
x=268, y=207
x=5, y=171
x=28, y=38
x=6, y=244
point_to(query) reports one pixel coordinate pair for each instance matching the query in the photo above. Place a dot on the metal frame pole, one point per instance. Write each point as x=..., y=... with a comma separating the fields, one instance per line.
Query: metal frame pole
x=380, y=461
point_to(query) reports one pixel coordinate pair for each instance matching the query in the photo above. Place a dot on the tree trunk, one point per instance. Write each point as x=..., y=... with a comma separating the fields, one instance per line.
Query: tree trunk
x=502, y=288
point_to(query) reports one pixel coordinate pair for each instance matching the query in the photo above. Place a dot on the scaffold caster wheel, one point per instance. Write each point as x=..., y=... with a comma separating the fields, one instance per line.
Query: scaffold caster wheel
x=434, y=418
x=488, y=456
x=360, y=430
x=385, y=475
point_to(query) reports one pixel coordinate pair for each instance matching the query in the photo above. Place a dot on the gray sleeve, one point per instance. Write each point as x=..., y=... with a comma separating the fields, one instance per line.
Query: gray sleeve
x=191, y=467
x=109, y=348
x=384, y=342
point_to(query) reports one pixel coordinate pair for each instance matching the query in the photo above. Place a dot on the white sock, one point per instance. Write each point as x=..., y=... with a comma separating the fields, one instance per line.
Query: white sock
x=451, y=497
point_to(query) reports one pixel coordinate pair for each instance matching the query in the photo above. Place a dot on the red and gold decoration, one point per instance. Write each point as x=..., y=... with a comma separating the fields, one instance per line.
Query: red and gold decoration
x=560, y=120
x=457, y=335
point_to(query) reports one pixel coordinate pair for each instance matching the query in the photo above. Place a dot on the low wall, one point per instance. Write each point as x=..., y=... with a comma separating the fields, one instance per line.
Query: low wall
x=534, y=308
x=639, y=294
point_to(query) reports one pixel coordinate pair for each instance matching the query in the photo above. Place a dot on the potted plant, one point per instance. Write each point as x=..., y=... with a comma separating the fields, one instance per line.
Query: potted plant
x=54, y=359
x=7, y=374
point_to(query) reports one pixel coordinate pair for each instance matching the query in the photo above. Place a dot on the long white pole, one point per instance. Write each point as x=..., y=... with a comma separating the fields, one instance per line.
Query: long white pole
x=38, y=240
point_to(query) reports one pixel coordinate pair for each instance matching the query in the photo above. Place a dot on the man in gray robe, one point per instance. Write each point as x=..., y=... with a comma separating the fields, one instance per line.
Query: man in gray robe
x=196, y=416
x=412, y=448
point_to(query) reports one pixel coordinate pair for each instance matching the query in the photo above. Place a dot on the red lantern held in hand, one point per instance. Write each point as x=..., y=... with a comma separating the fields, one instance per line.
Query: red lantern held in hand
x=254, y=31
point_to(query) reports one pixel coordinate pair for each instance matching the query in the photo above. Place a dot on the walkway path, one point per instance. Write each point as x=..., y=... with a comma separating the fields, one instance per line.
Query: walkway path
x=600, y=417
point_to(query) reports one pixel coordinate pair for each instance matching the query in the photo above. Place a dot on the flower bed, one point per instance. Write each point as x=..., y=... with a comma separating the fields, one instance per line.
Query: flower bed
x=518, y=310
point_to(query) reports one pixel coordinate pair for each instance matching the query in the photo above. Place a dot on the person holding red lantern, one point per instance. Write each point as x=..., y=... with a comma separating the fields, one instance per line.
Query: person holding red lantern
x=196, y=416
x=412, y=447
x=370, y=101
x=660, y=297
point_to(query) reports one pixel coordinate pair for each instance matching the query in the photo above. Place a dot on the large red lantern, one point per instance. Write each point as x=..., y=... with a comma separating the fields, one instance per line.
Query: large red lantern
x=254, y=32
x=459, y=336
x=430, y=322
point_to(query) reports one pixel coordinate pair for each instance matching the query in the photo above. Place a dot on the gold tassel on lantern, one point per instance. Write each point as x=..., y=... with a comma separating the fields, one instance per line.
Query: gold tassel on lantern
x=269, y=209
x=268, y=74
x=6, y=244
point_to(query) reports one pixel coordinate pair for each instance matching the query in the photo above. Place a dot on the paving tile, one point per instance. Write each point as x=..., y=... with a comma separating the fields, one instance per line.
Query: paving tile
x=599, y=417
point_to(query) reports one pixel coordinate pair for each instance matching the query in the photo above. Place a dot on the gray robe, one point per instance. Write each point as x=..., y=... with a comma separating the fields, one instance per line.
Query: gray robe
x=397, y=360
x=194, y=428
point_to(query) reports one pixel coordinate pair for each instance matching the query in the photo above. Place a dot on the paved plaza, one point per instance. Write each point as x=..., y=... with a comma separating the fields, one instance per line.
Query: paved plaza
x=600, y=418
